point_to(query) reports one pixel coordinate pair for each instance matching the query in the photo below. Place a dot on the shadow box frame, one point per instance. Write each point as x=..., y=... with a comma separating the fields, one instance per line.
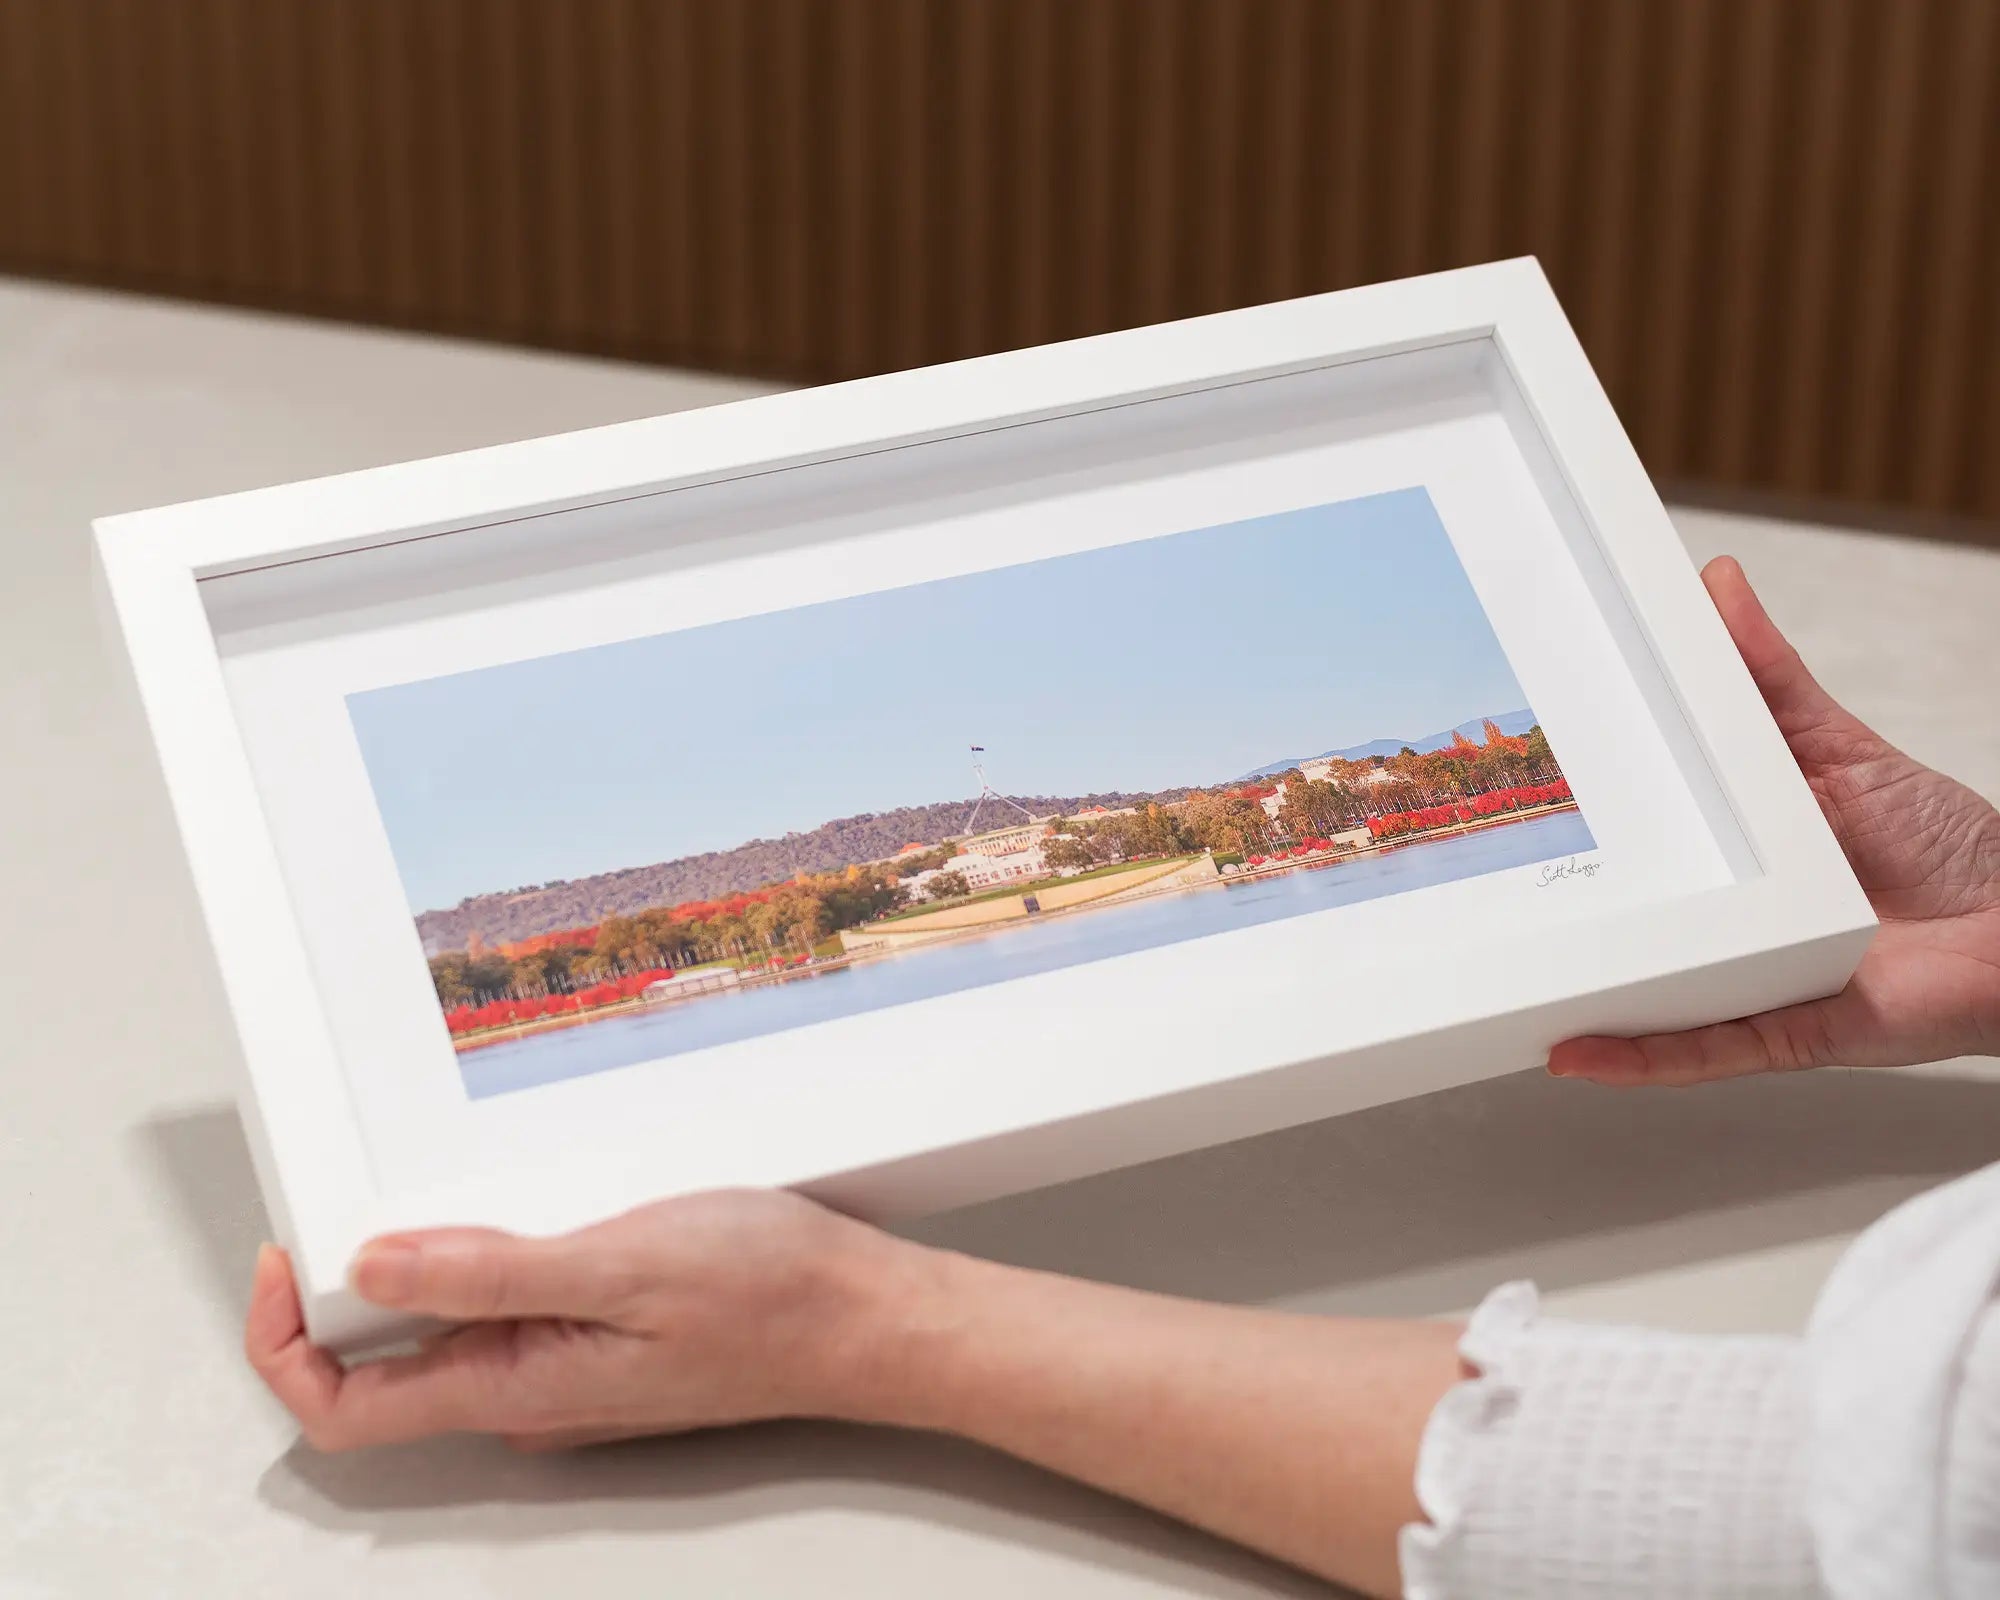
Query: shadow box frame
x=1160, y=1050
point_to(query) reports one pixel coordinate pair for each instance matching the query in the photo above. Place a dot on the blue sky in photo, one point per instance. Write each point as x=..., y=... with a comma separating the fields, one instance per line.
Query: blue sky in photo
x=1183, y=660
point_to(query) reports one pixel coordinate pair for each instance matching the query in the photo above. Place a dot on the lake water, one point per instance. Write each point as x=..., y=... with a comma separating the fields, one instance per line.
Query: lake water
x=1017, y=950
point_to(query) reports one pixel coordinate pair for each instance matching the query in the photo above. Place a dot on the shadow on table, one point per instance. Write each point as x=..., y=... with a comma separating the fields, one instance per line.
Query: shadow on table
x=1412, y=1208
x=1419, y=1207
x=474, y=1490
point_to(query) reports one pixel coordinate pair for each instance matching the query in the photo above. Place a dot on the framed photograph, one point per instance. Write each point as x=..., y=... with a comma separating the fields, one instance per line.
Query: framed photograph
x=923, y=788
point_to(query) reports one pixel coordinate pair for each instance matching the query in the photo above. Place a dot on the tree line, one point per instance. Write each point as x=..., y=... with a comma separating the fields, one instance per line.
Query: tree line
x=787, y=921
x=525, y=912
x=1233, y=821
x=776, y=923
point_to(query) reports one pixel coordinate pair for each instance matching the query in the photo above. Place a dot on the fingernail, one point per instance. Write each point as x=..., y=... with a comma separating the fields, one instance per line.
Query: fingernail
x=386, y=1272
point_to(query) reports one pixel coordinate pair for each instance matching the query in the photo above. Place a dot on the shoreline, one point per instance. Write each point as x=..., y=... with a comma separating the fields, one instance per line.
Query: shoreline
x=463, y=1044
x=1379, y=846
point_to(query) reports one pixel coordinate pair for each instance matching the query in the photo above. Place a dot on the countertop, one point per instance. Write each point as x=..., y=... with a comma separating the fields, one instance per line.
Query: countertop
x=138, y=1456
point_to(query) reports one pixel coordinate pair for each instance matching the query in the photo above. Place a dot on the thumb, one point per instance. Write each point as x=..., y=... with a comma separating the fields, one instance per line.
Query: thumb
x=1796, y=701
x=479, y=1274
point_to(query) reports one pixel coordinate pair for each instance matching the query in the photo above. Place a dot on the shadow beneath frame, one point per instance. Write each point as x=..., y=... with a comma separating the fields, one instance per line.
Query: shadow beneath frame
x=475, y=1490
x=1419, y=1207
x=1431, y=1200
x=201, y=1161
x=1411, y=1208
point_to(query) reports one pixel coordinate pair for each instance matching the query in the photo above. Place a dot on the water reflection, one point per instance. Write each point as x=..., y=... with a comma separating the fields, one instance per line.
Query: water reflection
x=1017, y=950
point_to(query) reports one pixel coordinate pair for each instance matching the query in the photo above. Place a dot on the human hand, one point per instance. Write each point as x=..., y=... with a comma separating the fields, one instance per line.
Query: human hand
x=1927, y=852
x=734, y=1306
x=1296, y=1435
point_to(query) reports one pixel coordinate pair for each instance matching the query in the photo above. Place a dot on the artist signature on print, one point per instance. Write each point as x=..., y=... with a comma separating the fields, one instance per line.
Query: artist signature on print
x=1564, y=871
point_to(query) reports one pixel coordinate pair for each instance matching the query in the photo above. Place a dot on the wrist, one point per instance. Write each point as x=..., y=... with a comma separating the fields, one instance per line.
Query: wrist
x=894, y=1314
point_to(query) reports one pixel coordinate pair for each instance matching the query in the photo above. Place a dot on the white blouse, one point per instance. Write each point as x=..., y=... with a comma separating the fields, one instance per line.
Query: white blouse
x=1861, y=1462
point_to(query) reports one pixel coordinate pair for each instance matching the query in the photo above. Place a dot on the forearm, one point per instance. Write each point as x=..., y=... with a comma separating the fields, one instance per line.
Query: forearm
x=1294, y=1435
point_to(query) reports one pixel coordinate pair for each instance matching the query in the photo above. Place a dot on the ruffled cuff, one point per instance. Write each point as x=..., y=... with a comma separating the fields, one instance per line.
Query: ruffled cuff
x=1586, y=1463
x=1428, y=1550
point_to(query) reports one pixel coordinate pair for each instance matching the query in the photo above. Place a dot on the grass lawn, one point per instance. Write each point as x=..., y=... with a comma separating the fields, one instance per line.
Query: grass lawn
x=1033, y=887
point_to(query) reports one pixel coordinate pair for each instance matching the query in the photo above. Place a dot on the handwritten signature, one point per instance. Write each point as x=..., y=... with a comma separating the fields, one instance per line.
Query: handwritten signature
x=1557, y=871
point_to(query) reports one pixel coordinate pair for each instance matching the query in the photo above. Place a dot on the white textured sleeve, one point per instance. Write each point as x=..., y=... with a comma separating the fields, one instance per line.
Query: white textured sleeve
x=1860, y=1463
x=1586, y=1463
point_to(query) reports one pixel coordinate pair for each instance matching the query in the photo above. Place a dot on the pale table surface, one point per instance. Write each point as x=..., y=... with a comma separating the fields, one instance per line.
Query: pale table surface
x=137, y=1455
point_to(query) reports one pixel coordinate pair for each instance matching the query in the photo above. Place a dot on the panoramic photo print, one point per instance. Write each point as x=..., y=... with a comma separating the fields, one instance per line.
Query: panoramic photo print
x=630, y=852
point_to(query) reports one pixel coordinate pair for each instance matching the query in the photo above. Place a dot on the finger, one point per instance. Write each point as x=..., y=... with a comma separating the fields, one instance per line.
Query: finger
x=481, y=1274
x=458, y=1383
x=305, y=1378
x=274, y=1313
x=1774, y=1041
x=1795, y=698
x=450, y=1386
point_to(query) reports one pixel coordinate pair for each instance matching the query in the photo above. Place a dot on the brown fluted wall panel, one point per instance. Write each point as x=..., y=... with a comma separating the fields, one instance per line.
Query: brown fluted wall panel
x=1773, y=221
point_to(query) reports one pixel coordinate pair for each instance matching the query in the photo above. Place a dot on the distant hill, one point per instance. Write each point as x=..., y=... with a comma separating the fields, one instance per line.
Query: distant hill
x=580, y=902
x=872, y=836
x=1509, y=722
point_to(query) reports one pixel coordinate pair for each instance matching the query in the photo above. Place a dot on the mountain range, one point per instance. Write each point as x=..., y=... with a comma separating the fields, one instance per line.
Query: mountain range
x=580, y=902
x=1509, y=722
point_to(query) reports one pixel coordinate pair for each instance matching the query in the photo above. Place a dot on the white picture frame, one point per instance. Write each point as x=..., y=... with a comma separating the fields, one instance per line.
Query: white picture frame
x=234, y=612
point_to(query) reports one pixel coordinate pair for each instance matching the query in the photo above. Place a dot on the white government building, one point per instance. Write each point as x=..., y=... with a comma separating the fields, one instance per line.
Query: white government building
x=1000, y=856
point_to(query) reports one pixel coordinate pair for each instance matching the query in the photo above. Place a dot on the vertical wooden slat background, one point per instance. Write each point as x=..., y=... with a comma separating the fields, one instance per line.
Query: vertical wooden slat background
x=1773, y=221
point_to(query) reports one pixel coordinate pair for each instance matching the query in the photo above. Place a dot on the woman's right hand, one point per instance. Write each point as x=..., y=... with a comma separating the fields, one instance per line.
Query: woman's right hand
x=732, y=1306
x=1927, y=852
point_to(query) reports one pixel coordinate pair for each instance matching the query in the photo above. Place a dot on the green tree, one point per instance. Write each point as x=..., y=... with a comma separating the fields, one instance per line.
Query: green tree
x=1426, y=777
x=1213, y=821
x=545, y=971
x=667, y=936
x=1152, y=831
x=1311, y=809
x=851, y=902
x=766, y=924
x=1540, y=758
x=623, y=945
x=731, y=935
x=491, y=975
x=1356, y=797
x=1066, y=854
x=461, y=979
x=947, y=886
x=910, y=866
x=449, y=980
